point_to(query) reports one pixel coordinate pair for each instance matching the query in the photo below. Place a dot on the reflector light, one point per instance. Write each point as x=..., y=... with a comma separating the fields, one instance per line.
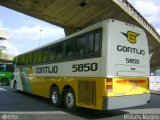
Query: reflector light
x=121, y=81
x=109, y=85
x=130, y=81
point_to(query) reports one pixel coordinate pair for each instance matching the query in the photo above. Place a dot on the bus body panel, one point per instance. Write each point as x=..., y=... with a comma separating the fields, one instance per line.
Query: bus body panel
x=127, y=59
x=88, y=90
x=125, y=101
x=124, y=57
x=86, y=68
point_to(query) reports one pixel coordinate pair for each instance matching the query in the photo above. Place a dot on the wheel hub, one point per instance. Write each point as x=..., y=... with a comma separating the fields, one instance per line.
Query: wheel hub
x=54, y=97
x=70, y=100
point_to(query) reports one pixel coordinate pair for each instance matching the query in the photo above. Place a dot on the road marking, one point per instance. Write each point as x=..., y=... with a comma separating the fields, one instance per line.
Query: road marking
x=35, y=112
x=2, y=89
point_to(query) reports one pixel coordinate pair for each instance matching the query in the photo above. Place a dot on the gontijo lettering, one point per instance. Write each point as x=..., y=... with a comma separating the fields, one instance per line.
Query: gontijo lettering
x=47, y=69
x=130, y=50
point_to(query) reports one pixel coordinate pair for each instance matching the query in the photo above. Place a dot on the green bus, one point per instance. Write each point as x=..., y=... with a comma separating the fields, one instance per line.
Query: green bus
x=6, y=70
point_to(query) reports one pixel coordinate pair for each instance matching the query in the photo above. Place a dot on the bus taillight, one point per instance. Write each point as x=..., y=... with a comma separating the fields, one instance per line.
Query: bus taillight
x=109, y=85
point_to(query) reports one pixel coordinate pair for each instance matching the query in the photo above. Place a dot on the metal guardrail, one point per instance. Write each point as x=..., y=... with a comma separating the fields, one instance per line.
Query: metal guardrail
x=145, y=23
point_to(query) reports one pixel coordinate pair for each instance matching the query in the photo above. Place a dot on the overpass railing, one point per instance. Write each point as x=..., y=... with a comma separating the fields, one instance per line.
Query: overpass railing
x=127, y=7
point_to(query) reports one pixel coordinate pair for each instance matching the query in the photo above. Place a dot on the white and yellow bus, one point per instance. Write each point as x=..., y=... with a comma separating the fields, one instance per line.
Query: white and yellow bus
x=104, y=66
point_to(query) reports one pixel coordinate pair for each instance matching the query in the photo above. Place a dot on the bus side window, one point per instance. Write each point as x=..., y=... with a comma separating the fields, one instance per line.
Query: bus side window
x=45, y=55
x=90, y=44
x=14, y=60
x=97, y=42
x=52, y=53
x=59, y=51
x=80, y=46
x=69, y=48
x=27, y=59
x=18, y=61
x=22, y=60
x=9, y=68
x=39, y=56
x=35, y=57
x=93, y=45
x=30, y=58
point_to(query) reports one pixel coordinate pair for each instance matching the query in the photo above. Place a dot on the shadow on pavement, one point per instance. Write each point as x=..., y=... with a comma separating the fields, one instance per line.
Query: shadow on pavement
x=81, y=112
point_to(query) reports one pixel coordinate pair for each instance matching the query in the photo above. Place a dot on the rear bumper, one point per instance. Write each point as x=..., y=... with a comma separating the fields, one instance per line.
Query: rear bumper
x=125, y=101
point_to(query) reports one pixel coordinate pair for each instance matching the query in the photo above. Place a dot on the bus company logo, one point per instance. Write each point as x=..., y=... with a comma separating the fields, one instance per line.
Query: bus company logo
x=131, y=36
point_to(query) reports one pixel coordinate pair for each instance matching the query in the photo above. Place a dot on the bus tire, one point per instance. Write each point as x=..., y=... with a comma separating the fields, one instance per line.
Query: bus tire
x=69, y=100
x=4, y=82
x=15, y=86
x=55, y=97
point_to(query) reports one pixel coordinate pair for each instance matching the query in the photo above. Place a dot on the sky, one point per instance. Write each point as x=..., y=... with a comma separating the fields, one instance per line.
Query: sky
x=150, y=10
x=27, y=33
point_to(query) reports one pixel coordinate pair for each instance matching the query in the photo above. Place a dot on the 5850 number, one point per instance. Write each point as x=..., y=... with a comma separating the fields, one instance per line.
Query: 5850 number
x=84, y=67
x=133, y=61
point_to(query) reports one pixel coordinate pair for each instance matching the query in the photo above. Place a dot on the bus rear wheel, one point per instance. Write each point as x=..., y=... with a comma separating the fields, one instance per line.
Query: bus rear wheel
x=55, y=97
x=4, y=82
x=69, y=100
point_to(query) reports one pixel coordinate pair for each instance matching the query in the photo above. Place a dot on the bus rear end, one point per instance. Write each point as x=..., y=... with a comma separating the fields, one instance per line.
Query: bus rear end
x=127, y=66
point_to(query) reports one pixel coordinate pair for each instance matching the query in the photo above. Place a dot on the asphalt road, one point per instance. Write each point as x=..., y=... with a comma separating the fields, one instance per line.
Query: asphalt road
x=22, y=106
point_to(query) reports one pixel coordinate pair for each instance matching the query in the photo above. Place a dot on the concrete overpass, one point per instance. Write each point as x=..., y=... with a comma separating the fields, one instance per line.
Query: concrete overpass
x=74, y=15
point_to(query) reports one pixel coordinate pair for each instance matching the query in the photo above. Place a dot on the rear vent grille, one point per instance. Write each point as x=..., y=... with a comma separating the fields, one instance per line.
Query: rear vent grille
x=87, y=92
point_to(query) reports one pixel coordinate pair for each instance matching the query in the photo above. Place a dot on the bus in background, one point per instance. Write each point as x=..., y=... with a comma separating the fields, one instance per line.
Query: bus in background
x=6, y=70
x=104, y=67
